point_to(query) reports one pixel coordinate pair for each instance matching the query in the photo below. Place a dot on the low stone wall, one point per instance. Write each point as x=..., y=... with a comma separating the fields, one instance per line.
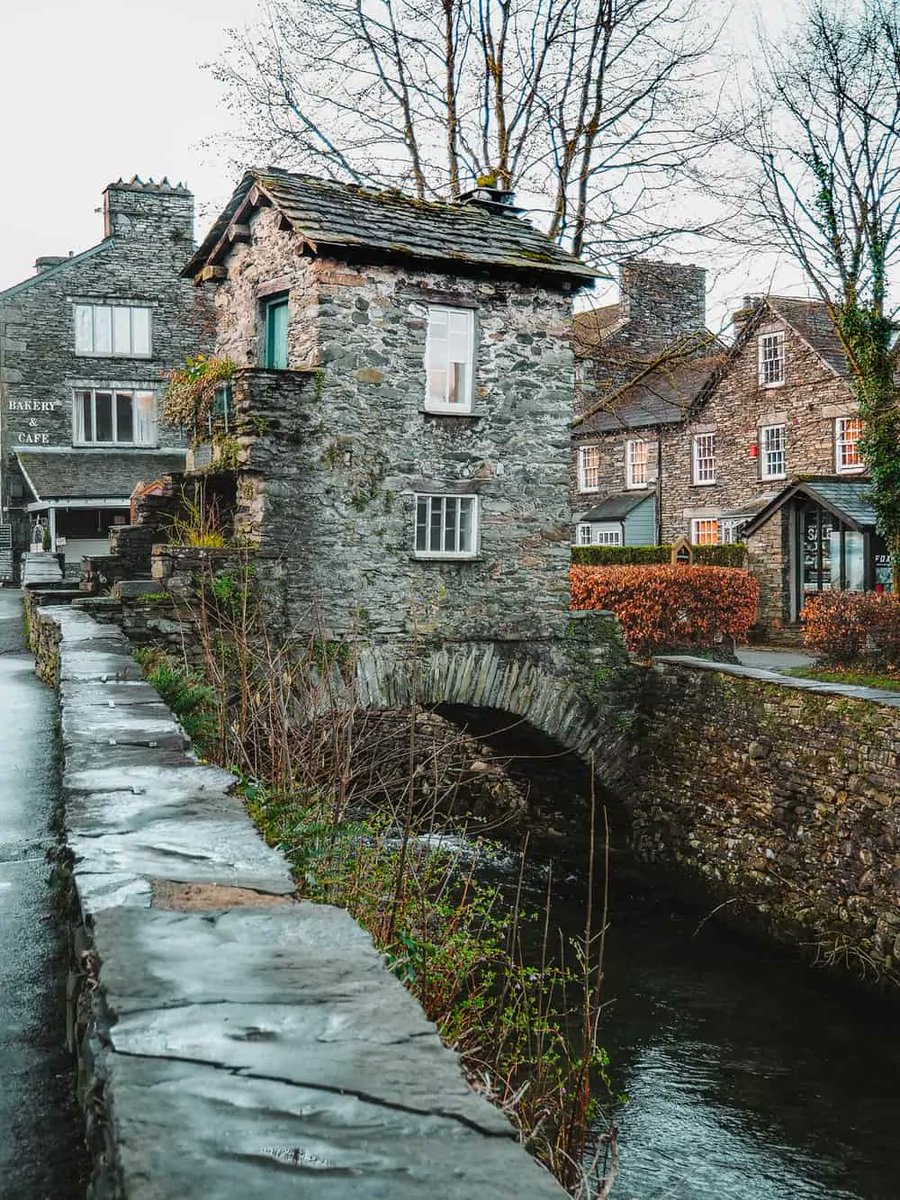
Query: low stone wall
x=231, y=1041
x=781, y=798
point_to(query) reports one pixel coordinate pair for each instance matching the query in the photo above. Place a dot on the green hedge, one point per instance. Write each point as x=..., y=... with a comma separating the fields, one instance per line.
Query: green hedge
x=733, y=554
x=620, y=556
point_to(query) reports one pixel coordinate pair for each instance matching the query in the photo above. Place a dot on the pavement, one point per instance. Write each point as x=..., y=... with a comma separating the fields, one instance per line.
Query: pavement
x=765, y=658
x=39, y=1128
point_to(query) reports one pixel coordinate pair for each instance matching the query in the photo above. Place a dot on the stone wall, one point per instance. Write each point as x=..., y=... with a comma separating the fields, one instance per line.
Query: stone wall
x=779, y=799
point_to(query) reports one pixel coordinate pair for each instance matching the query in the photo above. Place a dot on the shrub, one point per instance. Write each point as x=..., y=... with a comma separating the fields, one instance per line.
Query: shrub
x=667, y=607
x=615, y=556
x=849, y=628
x=730, y=554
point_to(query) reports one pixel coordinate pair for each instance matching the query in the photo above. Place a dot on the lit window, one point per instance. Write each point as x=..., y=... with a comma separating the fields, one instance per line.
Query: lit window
x=115, y=418
x=449, y=359
x=847, y=432
x=112, y=330
x=771, y=359
x=705, y=532
x=772, y=457
x=446, y=526
x=588, y=468
x=596, y=535
x=705, y=458
x=636, y=460
x=275, y=333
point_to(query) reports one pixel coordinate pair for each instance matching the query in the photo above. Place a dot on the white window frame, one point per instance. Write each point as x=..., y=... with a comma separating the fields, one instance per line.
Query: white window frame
x=771, y=359
x=703, y=456
x=772, y=453
x=141, y=423
x=589, y=533
x=428, y=501
x=637, y=467
x=697, y=522
x=439, y=356
x=842, y=443
x=585, y=472
x=731, y=530
x=87, y=330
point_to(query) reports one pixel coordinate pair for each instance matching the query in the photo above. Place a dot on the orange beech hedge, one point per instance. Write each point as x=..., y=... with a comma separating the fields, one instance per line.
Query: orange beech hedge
x=853, y=628
x=665, y=607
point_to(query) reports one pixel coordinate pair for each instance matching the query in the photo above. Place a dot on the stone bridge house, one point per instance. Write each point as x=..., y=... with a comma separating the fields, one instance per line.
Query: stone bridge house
x=399, y=419
x=84, y=343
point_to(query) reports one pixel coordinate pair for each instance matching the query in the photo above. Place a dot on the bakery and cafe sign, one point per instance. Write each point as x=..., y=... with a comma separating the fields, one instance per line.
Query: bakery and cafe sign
x=33, y=434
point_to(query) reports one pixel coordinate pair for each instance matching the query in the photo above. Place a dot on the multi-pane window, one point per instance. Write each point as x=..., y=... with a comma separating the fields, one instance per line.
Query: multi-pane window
x=771, y=359
x=449, y=359
x=772, y=456
x=705, y=532
x=636, y=462
x=446, y=526
x=275, y=332
x=588, y=468
x=705, y=458
x=847, y=432
x=112, y=330
x=598, y=535
x=731, y=530
x=115, y=418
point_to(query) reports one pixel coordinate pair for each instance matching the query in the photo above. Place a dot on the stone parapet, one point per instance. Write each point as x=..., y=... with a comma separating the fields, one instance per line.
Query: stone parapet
x=233, y=1042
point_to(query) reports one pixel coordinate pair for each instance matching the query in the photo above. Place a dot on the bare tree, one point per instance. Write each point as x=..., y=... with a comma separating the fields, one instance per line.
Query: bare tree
x=592, y=105
x=825, y=136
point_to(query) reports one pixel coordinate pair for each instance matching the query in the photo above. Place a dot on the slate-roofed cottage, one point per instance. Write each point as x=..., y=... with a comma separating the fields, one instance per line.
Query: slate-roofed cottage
x=641, y=364
x=403, y=400
x=83, y=346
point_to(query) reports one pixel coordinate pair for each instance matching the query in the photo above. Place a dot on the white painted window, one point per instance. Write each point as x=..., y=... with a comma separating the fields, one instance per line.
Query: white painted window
x=446, y=526
x=731, y=530
x=112, y=330
x=593, y=534
x=705, y=458
x=705, y=531
x=772, y=452
x=847, y=432
x=637, y=457
x=112, y=417
x=588, y=468
x=449, y=359
x=771, y=359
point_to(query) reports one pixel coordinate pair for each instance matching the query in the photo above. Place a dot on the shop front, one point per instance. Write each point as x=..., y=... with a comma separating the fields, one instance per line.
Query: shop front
x=828, y=541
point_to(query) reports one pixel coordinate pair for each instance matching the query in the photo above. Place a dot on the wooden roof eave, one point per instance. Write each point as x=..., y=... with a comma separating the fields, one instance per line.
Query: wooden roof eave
x=802, y=488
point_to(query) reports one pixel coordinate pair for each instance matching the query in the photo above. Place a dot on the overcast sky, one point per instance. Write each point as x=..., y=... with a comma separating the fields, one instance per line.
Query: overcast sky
x=92, y=90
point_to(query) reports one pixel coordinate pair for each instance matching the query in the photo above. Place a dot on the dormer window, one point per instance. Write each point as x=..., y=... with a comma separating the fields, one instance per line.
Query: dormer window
x=449, y=359
x=771, y=359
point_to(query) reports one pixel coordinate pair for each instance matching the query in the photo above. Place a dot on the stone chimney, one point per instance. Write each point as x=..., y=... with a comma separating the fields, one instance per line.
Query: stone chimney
x=46, y=261
x=740, y=316
x=139, y=209
x=662, y=301
x=487, y=194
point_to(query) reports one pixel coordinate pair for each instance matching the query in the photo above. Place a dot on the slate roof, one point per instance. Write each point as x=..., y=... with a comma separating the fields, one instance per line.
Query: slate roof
x=847, y=499
x=593, y=325
x=616, y=508
x=94, y=474
x=331, y=215
x=662, y=397
x=811, y=320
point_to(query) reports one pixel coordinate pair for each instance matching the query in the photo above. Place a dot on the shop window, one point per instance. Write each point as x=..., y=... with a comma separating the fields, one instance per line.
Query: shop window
x=636, y=463
x=112, y=330
x=704, y=458
x=771, y=359
x=588, y=468
x=114, y=418
x=449, y=359
x=847, y=432
x=772, y=452
x=275, y=332
x=446, y=526
x=589, y=534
